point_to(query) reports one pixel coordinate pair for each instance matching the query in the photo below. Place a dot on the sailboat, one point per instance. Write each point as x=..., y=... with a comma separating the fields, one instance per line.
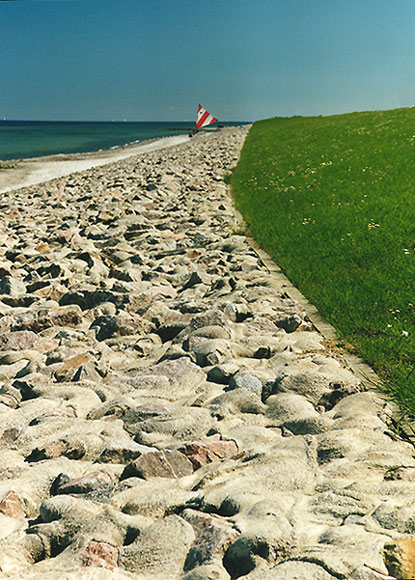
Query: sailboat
x=203, y=119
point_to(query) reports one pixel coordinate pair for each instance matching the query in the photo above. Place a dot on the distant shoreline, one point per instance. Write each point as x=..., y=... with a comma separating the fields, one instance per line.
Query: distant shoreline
x=33, y=139
x=18, y=173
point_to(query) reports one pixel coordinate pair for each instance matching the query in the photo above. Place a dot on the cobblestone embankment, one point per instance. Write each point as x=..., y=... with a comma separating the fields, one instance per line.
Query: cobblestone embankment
x=167, y=410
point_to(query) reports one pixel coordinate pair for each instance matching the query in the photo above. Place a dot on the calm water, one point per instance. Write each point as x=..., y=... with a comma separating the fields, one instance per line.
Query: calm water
x=22, y=139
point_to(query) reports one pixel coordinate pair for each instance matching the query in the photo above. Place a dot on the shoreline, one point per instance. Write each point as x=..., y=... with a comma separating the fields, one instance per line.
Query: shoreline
x=34, y=170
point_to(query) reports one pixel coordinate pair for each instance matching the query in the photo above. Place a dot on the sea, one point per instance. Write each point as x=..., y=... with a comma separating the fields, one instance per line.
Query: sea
x=26, y=139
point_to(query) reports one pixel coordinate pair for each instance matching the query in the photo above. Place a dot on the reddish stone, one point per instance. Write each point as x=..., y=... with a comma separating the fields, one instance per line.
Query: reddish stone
x=168, y=464
x=19, y=340
x=213, y=537
x=72, y=450
x=68, y=368
x=63, y=316
x=11, y=506
x=67, y=316
x=207, y=450
x=53, y=449
x=100, y=554
x=44, y=344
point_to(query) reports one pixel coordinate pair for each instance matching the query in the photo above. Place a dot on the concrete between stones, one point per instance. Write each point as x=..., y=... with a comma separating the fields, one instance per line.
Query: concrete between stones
x=170, y=406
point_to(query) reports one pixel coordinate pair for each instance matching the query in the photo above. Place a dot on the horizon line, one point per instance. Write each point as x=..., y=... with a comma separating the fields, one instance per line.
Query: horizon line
x=110, y=121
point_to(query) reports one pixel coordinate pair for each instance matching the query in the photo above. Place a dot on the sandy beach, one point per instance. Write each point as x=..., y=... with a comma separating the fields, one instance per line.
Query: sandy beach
x=168, y=410
x=27, y=172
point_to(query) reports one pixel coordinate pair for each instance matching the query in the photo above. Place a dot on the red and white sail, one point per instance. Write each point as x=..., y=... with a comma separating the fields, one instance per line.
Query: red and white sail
x=204, y=118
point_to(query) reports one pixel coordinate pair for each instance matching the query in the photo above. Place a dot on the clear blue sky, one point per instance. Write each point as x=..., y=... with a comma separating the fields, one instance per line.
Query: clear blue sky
x=149, y=60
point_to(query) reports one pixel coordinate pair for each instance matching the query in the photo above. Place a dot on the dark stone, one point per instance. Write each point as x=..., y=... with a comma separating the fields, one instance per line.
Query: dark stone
x=288, y=322
x=11, y=286
x=240, y=559
x=108, y=326
x=91, y=482
x=87, y=299
x=169, y=331
x=123, y=453
x=58, y=482
x=272, y=387
x=330, y=399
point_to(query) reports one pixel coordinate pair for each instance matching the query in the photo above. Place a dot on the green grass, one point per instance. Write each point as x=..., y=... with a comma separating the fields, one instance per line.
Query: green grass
x=332, y=200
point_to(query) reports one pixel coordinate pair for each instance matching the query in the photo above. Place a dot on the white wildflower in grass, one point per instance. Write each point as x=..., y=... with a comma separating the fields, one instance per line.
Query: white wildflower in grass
x=405, y=333
x=389, y=326
x=371, y=225
x=406, y=251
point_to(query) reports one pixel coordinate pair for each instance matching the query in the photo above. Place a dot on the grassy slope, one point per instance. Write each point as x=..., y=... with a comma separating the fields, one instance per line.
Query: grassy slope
x=332, y=199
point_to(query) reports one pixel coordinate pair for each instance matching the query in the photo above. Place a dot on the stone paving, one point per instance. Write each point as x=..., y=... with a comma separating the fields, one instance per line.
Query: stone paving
x=167, y=410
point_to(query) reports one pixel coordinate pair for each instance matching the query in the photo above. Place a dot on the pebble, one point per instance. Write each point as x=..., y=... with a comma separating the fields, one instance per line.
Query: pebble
x=166, y=411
